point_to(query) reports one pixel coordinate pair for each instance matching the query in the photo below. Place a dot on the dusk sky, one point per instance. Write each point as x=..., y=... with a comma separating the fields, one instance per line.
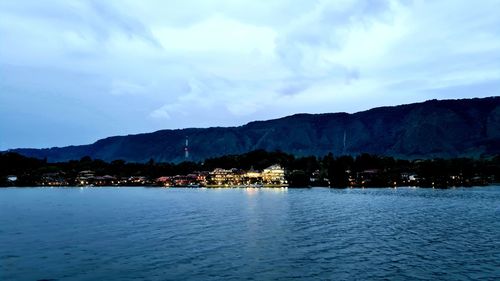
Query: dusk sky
x=72, y=72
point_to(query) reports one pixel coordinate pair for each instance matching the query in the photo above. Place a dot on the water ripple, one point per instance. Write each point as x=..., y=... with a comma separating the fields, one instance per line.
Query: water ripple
x=257, y=234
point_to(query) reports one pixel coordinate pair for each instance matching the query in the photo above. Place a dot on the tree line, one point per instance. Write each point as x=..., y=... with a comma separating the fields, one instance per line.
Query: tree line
x=329, y=170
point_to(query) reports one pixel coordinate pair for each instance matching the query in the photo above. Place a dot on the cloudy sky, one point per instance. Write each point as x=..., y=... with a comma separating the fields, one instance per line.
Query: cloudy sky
x=72, y=72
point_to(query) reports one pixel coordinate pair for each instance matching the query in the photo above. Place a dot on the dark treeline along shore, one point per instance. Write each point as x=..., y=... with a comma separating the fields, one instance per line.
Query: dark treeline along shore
x=364, y=170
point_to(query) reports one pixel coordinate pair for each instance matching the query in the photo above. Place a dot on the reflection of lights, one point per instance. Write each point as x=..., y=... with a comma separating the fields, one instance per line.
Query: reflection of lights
x=278, y=189
x=281, y=189
x=251, y=191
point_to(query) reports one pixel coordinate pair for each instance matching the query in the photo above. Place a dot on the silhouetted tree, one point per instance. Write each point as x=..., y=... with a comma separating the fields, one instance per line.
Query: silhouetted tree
x=298, y=178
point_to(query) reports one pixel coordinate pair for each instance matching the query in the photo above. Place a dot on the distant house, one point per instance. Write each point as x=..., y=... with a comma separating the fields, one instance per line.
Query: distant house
x=185, y=180
x=225, y=177
x=201, y=177
x=274, y=174
x=105, y=180
x=252, y=177
x=53, y=179
x=85, y=177
x=11, y=178
x=164, y=181
x=137, y=180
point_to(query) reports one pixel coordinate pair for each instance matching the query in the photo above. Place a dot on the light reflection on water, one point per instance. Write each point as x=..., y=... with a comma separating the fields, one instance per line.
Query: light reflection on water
x=249, y=233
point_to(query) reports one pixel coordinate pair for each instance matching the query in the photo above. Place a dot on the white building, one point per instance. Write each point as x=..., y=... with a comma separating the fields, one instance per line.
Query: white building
x=274, y=174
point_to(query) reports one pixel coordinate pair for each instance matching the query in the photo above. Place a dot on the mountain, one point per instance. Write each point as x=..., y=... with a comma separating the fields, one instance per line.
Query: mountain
x=436, y=128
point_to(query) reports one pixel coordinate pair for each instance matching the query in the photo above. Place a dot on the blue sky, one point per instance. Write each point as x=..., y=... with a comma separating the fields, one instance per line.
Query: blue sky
x=72, y=72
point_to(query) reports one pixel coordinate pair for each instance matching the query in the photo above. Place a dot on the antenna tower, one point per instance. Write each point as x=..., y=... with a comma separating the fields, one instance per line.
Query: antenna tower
x=345, y=137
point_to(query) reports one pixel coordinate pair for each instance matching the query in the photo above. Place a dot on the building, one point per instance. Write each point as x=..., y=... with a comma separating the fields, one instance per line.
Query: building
x=223, y=177
x=274, y=175
x=53, y=179
x=11, y=178
x=105, y=180
x=252, y=177
x=164, y=181
x=85, y=177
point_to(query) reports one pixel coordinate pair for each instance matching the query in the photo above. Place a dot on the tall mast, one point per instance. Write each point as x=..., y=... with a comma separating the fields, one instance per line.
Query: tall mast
x=345, y=137
x=186, y=149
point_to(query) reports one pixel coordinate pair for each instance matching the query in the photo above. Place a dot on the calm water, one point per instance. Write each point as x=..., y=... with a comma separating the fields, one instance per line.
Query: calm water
x=249, y=234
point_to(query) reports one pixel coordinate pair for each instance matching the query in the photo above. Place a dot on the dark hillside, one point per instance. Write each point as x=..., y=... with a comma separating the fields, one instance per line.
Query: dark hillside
x=446, y=128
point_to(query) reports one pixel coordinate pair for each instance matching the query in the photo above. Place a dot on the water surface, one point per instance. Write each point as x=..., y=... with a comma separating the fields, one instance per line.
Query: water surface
x=249, y=234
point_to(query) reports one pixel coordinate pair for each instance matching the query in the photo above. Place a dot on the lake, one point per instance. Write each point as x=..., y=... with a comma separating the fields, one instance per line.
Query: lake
x=135, y=233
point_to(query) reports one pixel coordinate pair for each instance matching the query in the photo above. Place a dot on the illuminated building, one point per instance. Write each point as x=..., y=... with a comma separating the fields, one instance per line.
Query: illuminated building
x=274, y=174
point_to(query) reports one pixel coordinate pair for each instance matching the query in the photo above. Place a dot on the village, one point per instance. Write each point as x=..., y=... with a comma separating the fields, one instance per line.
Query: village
x=272, y=176
x=271, y=170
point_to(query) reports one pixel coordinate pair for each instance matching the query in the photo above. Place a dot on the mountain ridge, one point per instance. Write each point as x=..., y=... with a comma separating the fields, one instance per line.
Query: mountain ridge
x=433, y=128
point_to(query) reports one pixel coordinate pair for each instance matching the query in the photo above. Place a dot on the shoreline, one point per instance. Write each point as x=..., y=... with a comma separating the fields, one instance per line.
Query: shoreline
x=245, y=187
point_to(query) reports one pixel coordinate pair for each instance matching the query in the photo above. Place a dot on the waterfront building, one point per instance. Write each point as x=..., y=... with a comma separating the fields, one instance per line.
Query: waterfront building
x=105, y=180
x=274, y=174
x=53, y=179
x=137, y=180
x=185, y=180
x=252, y=177
x=164, y=181
x=201, y=177
x=225, y=177
x=11, y=178
x=85, y=177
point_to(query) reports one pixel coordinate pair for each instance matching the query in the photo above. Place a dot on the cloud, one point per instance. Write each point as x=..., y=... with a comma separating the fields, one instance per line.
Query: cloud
x=120, y=87
x=95, y=18
x=109, y=16
x=150, y=64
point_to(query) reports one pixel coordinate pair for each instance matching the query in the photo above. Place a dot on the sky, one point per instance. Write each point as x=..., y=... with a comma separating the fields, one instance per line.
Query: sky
x=75, y=71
